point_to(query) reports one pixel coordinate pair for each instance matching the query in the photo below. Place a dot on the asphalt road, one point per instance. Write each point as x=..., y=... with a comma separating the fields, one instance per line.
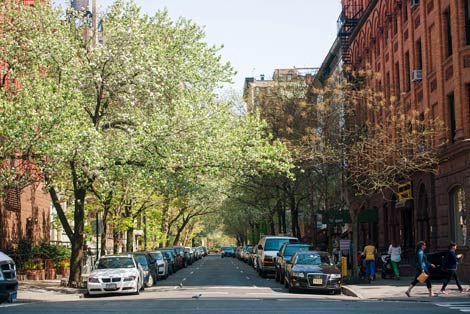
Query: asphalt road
x=225, y=285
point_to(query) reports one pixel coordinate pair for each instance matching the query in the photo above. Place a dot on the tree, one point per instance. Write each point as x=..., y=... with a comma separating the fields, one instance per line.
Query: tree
x=376, y=141
x=142, y=99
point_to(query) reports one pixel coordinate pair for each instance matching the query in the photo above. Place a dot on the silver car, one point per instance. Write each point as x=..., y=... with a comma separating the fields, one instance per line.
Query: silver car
x=162, y=264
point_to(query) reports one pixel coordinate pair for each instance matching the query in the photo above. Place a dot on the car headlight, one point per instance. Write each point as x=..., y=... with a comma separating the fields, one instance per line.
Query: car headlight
x=335, y=276
x=93, y=279
x=130, y=278
x=146, y=272
x=298, y=275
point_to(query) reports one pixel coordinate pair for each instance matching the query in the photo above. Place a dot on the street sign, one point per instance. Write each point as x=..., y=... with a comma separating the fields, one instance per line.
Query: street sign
x=100, y=226
x=404, y=191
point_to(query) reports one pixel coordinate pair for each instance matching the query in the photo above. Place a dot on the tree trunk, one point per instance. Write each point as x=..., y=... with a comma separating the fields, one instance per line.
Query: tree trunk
x=130, y=240
x=116, y=241
x=78, y=238
x=354, y=221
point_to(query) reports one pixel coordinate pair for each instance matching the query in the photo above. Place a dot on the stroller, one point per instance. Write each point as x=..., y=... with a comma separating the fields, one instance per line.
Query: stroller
x=386, y=263
x=361, y=263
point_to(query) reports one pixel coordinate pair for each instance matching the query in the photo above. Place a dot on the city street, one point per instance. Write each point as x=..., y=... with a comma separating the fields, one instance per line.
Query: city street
x=223, y=285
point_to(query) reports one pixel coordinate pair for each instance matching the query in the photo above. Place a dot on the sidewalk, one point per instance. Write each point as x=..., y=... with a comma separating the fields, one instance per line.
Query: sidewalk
x=47, y=290
x=380, y=289
x=389, y=289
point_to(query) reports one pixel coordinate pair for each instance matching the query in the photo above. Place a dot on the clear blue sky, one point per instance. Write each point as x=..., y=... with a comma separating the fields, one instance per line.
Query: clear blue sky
x=258, y=35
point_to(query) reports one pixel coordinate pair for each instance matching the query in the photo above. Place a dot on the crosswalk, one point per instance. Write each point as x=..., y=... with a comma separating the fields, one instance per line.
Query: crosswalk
x=459, y=306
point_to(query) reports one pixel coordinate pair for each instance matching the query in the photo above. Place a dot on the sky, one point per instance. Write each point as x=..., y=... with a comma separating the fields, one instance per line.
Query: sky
x=258, y=36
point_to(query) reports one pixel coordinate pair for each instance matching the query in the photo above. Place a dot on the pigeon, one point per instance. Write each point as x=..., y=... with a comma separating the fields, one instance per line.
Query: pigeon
x=196, y=296
x=181, y=285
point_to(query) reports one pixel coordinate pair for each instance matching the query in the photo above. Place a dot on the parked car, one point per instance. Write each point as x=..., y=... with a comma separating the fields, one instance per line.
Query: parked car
x=227, y=251
x=284, y=255
x=268, y=247
x=245, y=255
x=252, y=256
x=312, y=270
x=8, y=282
x=185, y=256
x=116, y=274
x=170, y=256
x=149, y=266
x=437, y=258
x=162, y=265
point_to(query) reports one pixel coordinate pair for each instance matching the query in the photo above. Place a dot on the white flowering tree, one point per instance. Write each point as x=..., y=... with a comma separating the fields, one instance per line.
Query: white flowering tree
x=143, y=99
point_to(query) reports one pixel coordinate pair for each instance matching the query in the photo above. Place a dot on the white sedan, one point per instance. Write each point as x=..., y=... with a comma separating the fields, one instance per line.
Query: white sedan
x=116, y=274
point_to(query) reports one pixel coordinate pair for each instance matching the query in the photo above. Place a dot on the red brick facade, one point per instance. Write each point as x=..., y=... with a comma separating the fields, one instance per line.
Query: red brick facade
x=421, y=48
x=24, y=212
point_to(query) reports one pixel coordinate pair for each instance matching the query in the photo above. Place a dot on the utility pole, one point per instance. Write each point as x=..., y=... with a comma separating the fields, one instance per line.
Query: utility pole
x=94, y=14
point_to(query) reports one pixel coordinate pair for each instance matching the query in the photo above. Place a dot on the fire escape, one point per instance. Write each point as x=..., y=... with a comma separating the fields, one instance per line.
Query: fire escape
x=347, y=21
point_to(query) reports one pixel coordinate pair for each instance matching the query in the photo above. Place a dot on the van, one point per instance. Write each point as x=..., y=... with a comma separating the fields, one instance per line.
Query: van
x=8, y=282
x=267, y=249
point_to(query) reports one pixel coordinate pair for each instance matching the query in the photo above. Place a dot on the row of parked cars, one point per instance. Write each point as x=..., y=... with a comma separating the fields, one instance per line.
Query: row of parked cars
x=132, y=272
x=296, y=265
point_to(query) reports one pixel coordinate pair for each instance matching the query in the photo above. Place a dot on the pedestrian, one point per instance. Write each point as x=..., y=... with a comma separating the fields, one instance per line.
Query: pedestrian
x=369, y=253
x=421, y=265
x=395, y=257
x=450, y=265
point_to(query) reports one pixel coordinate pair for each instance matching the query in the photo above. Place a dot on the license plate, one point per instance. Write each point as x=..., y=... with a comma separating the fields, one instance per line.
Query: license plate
x=317, y=281
x=111, y=286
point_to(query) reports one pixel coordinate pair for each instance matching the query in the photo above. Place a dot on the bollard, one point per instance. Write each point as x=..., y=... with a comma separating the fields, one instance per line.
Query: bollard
x=344, y=266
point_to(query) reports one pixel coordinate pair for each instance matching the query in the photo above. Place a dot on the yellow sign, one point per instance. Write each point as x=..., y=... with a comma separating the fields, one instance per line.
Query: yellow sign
x=404, y=191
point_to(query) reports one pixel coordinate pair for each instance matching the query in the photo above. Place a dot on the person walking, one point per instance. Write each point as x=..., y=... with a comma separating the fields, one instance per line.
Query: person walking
x=395, y=257
x=450, y=264
x=369, y=253
x=421, y=265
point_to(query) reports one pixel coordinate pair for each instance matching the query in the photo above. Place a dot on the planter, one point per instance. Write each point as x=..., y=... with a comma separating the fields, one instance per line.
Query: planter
x=32, y=274
x=50, y=274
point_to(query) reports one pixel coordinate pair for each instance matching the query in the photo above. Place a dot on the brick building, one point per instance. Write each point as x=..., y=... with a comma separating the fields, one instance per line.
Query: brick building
x=24, y=210
x=421, y=48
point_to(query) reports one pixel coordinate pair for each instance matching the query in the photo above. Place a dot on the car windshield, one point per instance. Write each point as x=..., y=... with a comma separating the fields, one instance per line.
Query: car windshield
x=313, y=259
x=157, y=255
x=275, y=244
x=291, y=249
x=115, y=262
x=141, y=259
x=227, y=248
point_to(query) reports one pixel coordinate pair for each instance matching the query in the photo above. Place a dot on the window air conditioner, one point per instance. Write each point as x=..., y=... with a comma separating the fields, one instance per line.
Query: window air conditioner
x=416, y=75
x=414, y=3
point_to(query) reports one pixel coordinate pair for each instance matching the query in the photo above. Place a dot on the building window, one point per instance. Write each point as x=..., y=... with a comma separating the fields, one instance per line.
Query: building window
x=12, y=199
x=467, y=21
x=432, y=42
x=458, y=216
x=397, y=79
x=452, y=123
x=407, y=71
x=289, y=77
x=419, y=55
x=448, y=32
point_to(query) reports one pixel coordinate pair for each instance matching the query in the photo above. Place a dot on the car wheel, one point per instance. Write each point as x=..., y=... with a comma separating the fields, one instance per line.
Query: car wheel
x=137, y=289
x=291, y=289
x=150, y=282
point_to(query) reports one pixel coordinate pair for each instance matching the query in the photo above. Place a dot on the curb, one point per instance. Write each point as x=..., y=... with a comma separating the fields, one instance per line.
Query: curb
x=350, y=292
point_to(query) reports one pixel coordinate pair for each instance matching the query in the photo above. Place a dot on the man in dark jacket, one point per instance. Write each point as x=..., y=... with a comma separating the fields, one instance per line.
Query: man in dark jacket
x=450, y=264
